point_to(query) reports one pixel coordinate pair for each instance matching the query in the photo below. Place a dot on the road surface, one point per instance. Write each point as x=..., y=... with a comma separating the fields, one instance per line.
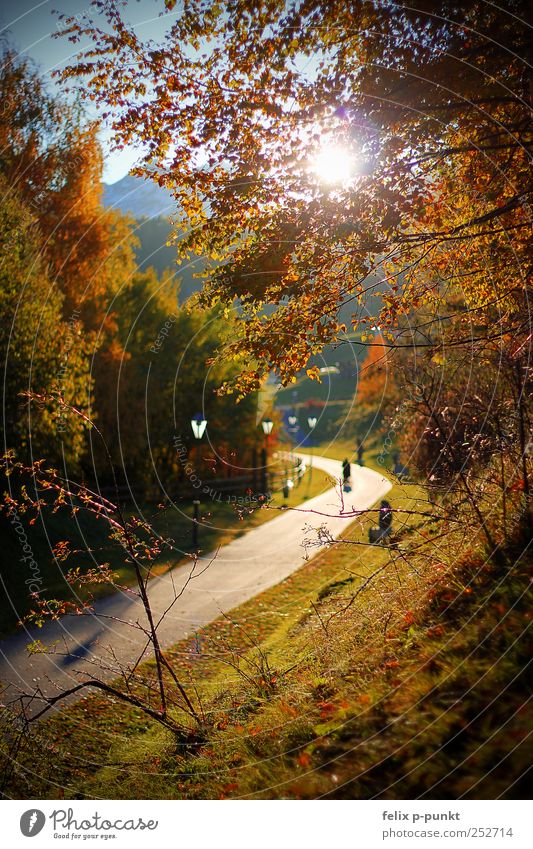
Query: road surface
x=259, y=559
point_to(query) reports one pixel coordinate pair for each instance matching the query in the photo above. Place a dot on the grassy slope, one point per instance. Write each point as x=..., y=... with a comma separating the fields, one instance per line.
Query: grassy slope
x=414, y=686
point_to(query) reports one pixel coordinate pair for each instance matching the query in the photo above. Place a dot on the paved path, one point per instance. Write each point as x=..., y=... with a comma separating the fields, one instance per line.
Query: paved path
x=262, y=557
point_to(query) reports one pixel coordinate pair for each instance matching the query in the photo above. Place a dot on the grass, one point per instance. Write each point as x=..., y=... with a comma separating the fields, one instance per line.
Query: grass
x=220, y=522
x=409, y=683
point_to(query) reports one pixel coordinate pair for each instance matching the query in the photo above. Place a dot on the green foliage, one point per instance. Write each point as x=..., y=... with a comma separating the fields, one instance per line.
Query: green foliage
x=39, y=350
x=149, y=358
x=162, y=379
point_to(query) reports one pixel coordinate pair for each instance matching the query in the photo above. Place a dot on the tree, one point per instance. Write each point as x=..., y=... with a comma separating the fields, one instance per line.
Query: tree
x=161, y=381
x=51, y=154
x=90, y=249
x=33, y=150
x=234, y=104
x=40, y=351
x=376, y=389
x=373, y=375
x=463, y=429
x=429, y=109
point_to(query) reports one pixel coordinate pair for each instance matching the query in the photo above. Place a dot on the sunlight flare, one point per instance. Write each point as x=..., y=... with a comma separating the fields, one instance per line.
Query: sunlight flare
x=334, y=165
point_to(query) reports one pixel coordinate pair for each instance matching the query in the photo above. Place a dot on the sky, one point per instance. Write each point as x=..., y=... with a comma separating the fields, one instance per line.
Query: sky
x=29, y=26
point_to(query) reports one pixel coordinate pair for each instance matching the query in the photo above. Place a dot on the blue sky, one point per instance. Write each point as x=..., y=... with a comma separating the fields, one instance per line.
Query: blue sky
x=29, y=27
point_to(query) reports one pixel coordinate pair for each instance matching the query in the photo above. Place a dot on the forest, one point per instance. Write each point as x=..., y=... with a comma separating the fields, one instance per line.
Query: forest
x=351, y=190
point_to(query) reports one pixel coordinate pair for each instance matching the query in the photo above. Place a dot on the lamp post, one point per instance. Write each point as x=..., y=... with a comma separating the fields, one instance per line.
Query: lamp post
x=254, y=470
x=267, y=425
x=311, y=421
x=287, y=486
x=293, y=430
x=198, y=424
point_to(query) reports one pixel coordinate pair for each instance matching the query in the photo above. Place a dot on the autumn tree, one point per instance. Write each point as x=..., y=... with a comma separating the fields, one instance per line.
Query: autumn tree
x=235, y=104
x=321, y=153
x=39, y=350
x=33, y=150
x=90, y=250
x=51, y=155
x=373, y=374
x=89, y=247
x=164, y=380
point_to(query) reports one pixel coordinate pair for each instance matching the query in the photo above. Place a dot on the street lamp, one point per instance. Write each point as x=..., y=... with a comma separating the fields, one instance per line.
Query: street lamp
x=267, y=425
x=293, y=430
x=311, y=421
x=198, y=424
x=287, y=486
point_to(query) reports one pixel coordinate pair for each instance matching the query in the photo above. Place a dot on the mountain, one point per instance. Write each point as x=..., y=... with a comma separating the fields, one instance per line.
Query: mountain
x=138, y=197
x=153, y=234
x=151, y=205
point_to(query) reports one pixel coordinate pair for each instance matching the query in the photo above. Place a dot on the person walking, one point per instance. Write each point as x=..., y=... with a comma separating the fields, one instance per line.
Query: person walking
x=346, y=475
x=381, y=533
x=385, y=517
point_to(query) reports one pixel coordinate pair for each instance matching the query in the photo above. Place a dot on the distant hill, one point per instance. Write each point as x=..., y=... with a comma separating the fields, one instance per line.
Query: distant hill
x=151, y=206
x=153, y=234
x=138, y=197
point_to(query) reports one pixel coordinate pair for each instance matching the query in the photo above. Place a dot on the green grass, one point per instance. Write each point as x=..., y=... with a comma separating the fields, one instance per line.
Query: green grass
x=387, y=691
x=341, y=448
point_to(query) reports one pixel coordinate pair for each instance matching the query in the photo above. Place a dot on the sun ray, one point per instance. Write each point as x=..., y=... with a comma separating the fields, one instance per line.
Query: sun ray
x=334, y=165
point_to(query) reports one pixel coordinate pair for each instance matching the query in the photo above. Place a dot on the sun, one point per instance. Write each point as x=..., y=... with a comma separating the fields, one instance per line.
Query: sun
x=334, y=165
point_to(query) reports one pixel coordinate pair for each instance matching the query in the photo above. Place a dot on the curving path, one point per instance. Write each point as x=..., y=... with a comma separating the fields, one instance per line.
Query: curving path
x=245, y=567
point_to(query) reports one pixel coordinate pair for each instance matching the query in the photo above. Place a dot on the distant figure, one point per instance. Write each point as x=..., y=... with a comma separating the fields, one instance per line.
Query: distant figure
x=385, y=521
x=360, y=450
x=385, y=516
x=346, y=475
